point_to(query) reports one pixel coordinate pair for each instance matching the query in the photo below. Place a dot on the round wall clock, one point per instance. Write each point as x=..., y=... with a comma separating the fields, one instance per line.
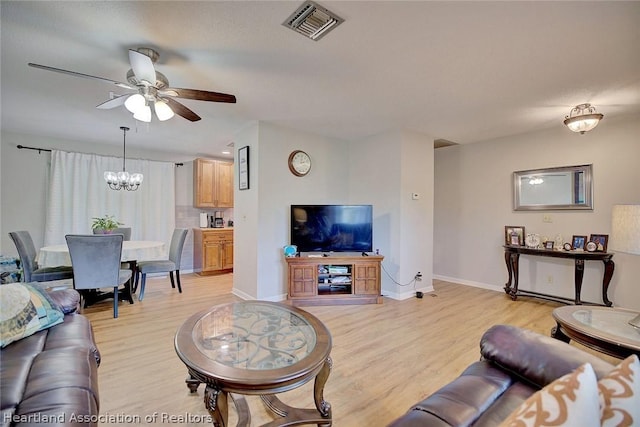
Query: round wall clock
x=299, y=163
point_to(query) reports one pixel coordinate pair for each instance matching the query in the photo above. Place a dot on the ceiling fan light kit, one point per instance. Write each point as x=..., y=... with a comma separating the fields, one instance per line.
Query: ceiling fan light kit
x=152, y=89
x=124, y=180
x=583, y=118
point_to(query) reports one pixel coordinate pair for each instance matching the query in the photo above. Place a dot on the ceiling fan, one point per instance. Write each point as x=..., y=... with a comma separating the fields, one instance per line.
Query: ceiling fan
x=152, y=90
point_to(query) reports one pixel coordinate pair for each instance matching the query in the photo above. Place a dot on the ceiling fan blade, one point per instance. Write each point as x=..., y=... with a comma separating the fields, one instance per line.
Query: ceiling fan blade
x=201, y=95
x=142, y=67
x=181, y=110
x=86, y=76
x=113, y=103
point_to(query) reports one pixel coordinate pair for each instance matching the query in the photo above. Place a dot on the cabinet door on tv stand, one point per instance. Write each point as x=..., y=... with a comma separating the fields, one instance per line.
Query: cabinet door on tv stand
x=366, y=278
x=303, y=281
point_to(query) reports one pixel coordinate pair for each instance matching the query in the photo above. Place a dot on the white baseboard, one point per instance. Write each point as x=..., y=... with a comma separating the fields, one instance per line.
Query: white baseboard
x=469, y=283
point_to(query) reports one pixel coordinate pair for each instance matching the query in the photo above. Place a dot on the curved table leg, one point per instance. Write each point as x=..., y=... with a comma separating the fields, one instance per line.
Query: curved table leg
x=507, y=260
x=296, y=416
x=192, y=384
x=609, y=266
x=513, y=260
x=322, y=405
x=557, y=333
x=216, y=402
x=579, y=274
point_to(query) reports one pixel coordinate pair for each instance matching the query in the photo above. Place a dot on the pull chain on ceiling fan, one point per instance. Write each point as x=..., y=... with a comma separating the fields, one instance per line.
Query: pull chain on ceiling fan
x=152, y=90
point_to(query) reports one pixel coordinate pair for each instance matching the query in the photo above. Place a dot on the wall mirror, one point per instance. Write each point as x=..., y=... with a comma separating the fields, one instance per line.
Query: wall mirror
x=561, y=188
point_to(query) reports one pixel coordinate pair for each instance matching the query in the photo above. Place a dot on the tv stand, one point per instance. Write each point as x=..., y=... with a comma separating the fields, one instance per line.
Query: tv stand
x=334, y=280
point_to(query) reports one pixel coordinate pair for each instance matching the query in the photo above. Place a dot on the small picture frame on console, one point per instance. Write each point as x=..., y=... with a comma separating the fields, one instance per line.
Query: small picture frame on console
x=600, y=240
x=548, y=244
x=514, y=235
x=578, y=242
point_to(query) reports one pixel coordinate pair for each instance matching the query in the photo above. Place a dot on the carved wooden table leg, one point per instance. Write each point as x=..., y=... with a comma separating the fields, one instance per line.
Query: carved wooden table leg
x=192, y=384
x=558, y=334
x=507, y=260
x=295, y=416
x=322, y=405
x=513, y=261
x=609, y=266
x=216, y=402
x=579, y=274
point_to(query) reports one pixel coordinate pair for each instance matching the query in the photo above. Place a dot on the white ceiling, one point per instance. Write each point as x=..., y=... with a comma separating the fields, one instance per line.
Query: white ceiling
x=461, y=71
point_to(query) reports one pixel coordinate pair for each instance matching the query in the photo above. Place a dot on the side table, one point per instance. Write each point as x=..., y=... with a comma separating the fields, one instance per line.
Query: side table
x=604, y=329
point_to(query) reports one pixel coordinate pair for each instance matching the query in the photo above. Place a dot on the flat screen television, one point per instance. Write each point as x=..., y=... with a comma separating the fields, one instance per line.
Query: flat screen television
x=332, y=228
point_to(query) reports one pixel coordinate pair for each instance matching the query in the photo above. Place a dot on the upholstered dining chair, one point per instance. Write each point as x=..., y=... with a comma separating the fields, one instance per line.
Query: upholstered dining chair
x=96, y=264
x=125, y=231
x=31, y=272
x=170, y=265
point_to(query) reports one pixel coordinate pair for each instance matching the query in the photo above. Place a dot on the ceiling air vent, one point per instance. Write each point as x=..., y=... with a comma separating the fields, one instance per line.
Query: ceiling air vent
x=312, y=20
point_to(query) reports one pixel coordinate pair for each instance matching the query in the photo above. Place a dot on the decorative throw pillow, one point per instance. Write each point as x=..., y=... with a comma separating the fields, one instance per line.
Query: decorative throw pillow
x=571, y=400
x=25, y=310
x=619, y=394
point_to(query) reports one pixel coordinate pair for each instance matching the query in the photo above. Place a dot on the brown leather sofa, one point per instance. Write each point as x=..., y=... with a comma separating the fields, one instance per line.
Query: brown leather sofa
x=514, y=364
x=51, y=377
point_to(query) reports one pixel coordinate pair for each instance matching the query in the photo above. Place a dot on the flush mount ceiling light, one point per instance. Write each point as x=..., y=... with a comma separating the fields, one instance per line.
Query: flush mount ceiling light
x=123, y=180
x=312, y=20
x=583, y=118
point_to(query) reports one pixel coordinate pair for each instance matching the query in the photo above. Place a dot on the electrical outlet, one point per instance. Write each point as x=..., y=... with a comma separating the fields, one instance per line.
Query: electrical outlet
x=546, y=218
x=550, y=279
x=418, y=277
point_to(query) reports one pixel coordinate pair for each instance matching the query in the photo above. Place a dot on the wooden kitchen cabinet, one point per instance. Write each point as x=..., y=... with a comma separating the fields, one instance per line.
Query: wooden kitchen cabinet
x=212, y=183
x=212, y=250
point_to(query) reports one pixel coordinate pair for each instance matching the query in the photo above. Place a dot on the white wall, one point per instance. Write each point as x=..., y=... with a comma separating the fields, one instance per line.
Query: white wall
x=259, y=267
x=473, y=203
x=382, y=171
x=385, y=170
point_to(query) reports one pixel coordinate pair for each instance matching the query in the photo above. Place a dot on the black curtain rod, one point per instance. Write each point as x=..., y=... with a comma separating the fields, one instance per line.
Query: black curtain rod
x=40, y=150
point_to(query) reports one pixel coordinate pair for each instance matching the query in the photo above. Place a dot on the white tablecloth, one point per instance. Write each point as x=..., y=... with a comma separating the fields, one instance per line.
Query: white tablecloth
x=132, y=250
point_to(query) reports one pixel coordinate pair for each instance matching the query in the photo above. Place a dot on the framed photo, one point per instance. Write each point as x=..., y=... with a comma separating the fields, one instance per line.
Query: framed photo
x=548, y=244
x=514, y=235
x=243, y=168
x=601, y=241
x=578, y=242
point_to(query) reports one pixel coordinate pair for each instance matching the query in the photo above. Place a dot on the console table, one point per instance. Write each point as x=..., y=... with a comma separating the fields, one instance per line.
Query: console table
x=512, y=256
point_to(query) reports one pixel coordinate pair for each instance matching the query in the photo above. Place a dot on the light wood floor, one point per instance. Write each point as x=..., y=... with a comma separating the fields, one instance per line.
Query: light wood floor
x=385, y=357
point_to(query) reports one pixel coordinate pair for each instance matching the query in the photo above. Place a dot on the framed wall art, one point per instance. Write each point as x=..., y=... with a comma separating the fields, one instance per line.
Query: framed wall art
x=243, y=168
x=514, y=235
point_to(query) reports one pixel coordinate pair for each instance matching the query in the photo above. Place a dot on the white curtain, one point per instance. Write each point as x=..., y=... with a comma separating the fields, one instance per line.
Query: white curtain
x=78, y=193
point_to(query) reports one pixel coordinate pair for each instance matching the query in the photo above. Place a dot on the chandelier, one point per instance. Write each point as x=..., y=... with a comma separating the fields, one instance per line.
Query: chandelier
x=123, y=180
x=582, y=118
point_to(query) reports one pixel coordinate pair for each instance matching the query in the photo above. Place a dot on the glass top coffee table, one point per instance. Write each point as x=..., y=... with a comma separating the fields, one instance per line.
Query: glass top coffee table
x=605, y=329
x=256, y=348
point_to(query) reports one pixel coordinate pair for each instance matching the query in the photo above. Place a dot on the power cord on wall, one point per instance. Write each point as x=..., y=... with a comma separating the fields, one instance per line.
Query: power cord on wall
x=415, y=279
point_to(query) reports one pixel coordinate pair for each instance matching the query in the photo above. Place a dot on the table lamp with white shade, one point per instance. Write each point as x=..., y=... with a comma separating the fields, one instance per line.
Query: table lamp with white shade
x=625, y=235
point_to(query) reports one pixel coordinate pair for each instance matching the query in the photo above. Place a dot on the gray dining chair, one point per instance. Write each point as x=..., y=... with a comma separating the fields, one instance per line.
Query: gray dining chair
x=125, y=231
x=31, y=272
x=170, y=265
x=96, y=264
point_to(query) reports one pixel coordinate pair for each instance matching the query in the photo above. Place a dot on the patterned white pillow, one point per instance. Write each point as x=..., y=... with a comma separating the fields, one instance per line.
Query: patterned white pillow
x=571, y=400
x=619, y=393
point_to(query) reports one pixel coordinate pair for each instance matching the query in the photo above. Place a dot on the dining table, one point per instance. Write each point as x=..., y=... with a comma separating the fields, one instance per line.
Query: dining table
x=133, y=251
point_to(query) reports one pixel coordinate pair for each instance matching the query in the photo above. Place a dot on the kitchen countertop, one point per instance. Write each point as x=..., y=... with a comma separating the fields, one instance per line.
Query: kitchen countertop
x=213, y=228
